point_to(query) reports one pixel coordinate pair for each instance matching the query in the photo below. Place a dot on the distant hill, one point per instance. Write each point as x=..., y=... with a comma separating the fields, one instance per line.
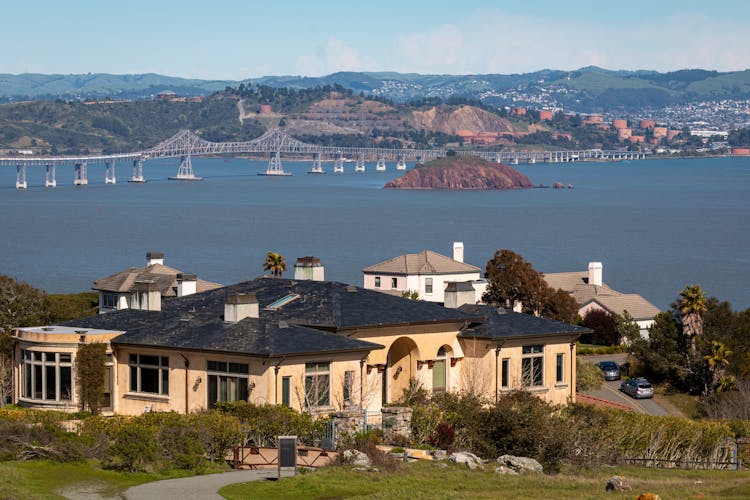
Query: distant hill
x=589, y=89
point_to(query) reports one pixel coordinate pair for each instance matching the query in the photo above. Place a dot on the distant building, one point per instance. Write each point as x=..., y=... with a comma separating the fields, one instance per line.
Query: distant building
x=647, y=124
x=590, y=292
x=144, y=287
x=518, y=111
x=427, y=272
x=620, y=123
x=265, y=109
x=546, y=114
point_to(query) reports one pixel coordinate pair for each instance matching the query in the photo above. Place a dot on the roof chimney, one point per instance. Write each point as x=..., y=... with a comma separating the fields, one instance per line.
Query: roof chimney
x=458, y=251
x=309, y=268
x=458, y=293
x=154, y=258
x=595, y=273
x=240, y=306
x=186, y=284
x=147, y=295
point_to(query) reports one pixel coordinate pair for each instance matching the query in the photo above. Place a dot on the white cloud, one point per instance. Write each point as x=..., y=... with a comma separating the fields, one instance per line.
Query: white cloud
x=492, y=41
x=334, y=56
x=440, y=48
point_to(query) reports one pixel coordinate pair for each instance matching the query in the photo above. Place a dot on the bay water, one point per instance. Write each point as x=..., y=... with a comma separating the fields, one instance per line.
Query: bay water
x=656, y=225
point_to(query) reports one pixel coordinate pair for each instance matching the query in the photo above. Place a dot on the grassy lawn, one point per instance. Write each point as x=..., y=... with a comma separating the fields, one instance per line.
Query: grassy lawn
x=426, y=480
x=42, y=479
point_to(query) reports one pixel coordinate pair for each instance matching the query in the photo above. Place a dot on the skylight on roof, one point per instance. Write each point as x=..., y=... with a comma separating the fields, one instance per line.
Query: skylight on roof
x=282, y=302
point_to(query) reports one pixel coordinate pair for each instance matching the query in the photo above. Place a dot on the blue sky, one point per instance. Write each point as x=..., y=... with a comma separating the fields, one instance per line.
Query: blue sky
x=228, y=39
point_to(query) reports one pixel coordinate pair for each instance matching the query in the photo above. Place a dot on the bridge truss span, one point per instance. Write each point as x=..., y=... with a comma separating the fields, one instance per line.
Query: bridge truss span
x=274, y=144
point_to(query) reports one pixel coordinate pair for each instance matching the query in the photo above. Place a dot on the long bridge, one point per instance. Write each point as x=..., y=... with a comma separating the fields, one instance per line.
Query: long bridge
x=275, y=143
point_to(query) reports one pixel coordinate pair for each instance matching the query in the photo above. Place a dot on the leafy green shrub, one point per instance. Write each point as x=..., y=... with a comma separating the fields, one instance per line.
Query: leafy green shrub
x=134, y=448
x=217, y=432
x=264, y=423
x=522, y=424
x=588, y=376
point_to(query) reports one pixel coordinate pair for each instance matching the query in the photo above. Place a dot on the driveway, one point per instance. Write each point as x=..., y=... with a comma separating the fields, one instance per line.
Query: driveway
x=196, y=487
x=610, y=390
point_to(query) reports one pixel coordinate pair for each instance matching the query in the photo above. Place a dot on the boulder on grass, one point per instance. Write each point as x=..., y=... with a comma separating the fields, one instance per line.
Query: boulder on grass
x=505, y=470
x=521, y=465
x=469, y=459
x=617, y=483
x=356, y=458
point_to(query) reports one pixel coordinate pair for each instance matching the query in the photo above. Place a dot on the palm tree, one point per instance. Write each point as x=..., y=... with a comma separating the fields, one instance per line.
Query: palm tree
x=692, y=304
x=717, y=358
x=274, y=263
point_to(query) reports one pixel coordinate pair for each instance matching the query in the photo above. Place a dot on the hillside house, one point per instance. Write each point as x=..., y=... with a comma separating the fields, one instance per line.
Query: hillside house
x=590, y=292
x=316, y=346
x=427, y=273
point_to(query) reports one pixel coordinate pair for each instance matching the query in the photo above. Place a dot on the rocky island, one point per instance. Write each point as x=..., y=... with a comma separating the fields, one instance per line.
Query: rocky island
x=461, y=173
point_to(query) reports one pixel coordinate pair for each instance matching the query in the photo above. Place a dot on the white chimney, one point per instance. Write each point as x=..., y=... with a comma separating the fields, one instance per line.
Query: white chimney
x=186, y=284
x=240, y=306
x=595, y=273
x=148, y=295
x=458, y=251
x=154, y=258
x=458, y=293
x=309, y=268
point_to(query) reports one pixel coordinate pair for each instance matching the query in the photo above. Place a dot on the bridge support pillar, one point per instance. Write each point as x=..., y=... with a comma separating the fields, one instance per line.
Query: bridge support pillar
x=109, y=173
x=338, y=165
x=185, y=170
x=401, y=165
x=359, y=165
x=49, y=176
x=380, y=165
x=317, y=165
x=137, y=171
x=81, y=175
x=21, y=176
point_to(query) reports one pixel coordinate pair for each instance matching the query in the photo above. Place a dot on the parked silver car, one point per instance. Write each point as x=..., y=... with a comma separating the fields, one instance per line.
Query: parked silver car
x=638, y=388
x=610, y=369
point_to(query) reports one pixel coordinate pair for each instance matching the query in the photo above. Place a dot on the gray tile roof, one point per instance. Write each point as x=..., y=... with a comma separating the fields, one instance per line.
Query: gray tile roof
x=502, y=324
x=317, y=321
x=424, y=262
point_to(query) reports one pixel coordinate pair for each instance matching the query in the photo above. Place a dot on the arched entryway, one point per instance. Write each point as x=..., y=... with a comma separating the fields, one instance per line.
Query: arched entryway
x=401, y=367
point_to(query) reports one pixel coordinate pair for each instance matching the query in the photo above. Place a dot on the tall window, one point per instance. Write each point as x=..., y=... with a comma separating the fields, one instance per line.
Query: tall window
x=427, y=285
x=149, y=374
x=505, y=373
x=532, y=365
x=560, y=368
x=47, y=376
x=377, y=281
x=317, y=384
x=348, y=392
x=227, y=382
x=439, y=370
x=286, y=391
x=394, y=282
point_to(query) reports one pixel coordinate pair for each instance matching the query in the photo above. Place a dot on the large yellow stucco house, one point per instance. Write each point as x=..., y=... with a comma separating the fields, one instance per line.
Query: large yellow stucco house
x=317, y=346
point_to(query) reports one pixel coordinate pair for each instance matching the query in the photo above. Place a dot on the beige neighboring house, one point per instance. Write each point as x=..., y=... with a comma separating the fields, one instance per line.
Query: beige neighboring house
x=138, y=287
x=427, y=272
x=590, y=292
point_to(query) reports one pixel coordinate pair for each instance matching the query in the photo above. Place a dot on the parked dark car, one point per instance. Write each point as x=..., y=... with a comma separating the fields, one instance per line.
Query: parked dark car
x=638, y=388
x=610, y=369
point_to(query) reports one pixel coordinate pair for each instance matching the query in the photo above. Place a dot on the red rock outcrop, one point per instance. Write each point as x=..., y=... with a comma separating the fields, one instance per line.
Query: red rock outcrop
x=461, y=173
